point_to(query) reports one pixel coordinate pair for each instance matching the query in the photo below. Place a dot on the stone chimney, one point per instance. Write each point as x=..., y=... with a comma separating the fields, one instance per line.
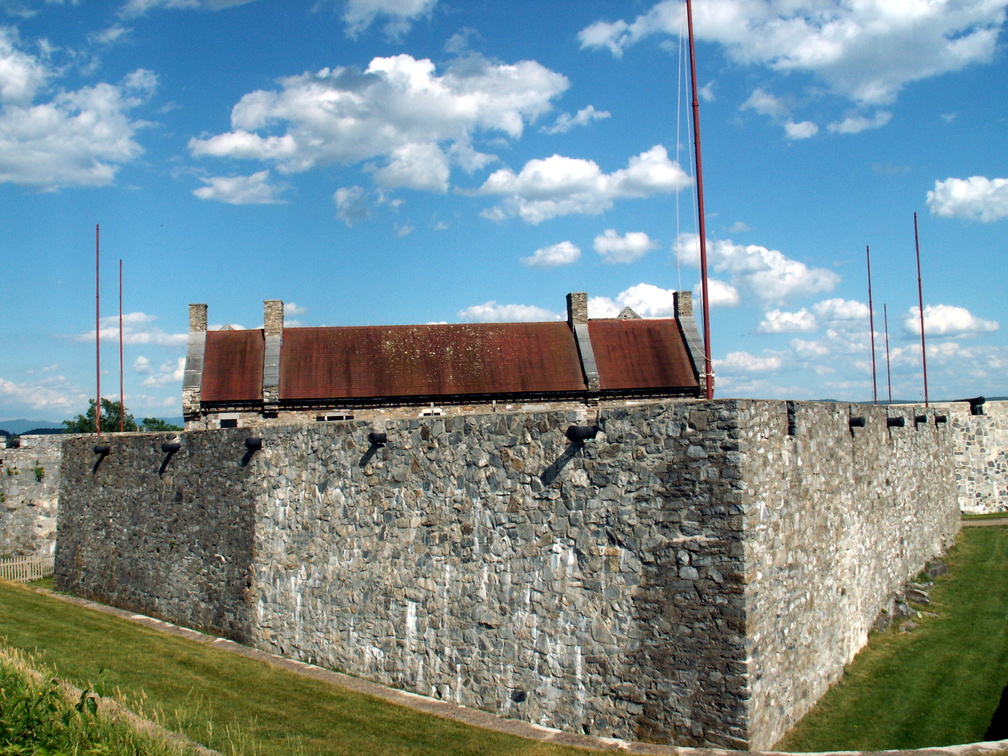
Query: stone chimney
x=683, y=305
x=577, y=319
x=273, y=325
x=577, y=308
x=192, y=379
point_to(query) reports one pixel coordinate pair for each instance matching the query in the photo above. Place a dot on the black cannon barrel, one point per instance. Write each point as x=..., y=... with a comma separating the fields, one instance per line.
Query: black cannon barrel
x=578, y=434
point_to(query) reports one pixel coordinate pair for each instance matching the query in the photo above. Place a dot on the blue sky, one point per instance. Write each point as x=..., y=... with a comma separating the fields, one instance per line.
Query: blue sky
x=413, y=161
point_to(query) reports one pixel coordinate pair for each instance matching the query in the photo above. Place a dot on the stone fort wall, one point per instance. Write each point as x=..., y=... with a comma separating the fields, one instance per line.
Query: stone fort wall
x=29, y=494
x=981, y=455
x=697, y=574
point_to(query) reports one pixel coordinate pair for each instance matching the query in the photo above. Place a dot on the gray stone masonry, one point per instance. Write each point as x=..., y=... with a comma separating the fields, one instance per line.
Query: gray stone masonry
x=29, y=493
x=981, y=454
x=696, y=575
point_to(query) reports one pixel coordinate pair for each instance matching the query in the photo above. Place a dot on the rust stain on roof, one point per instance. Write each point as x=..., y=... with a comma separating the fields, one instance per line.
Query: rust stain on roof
x=232, y=366
x=428, y=360
x=641, y=354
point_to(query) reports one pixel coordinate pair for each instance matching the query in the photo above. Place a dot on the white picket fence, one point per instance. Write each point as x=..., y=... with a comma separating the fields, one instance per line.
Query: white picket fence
x=27, y=568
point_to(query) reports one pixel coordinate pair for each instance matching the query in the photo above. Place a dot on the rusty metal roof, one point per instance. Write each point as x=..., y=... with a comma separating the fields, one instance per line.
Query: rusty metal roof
x=428, y=360
x=232, y=366
x=636, y=355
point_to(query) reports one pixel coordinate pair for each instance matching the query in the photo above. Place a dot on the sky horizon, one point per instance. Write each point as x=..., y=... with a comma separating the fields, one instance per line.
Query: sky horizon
x=413, y=161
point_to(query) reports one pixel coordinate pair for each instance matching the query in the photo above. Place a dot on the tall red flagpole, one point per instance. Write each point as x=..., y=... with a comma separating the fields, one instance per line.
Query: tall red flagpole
x=871, y=327
x=122, y=393
x=701, y=223
x=920, y=306
x=97, y=335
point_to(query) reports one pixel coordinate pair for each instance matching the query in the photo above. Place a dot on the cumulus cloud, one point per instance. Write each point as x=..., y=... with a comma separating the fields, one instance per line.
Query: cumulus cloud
x=351, y=204
x=565, y=121
x=555, y=255
x=134, y=8
x=622, y=249
x=55, y=393
x=647, y=300
x=399, y=15
x=558, y=185
x=835, y=313
x=866, y=51
x=169, y=372
x=721, y=294
x=947, y=320
x=744, y=362
x=767, y=273
x=416, y=166
x=138, y=329
x=491, y=312
x=777, y=321
x=855, y=124
x=399, y=110
x=240, y=190
x=75, y=138
x=974, y=198
x=803, y=130
x=768, y=104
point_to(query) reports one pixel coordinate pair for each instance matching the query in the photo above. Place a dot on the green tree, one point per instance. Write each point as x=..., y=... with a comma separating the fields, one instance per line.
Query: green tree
x=109, y=419
x=157, y=425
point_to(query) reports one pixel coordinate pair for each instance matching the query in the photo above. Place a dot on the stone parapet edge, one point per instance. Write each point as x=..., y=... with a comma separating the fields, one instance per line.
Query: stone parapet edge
x=478, y=718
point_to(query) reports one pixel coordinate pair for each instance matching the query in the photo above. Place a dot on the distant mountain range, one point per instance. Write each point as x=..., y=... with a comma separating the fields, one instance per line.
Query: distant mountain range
x=21, y=426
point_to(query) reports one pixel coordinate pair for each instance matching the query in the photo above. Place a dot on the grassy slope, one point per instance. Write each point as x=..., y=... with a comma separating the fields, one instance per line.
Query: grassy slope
x=937, y=685
x=218, y=698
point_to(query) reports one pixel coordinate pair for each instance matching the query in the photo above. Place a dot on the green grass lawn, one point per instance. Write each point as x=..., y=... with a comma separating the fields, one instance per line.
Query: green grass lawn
x=225, y=701
x=938, y=685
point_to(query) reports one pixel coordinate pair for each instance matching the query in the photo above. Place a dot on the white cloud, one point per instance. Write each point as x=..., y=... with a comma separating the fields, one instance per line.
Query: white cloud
x=76, y=138
x=399, y=109
x=623, y=249
x=416, y=166
x=560, y=185
x=351, y=204
x=563, y=253
x=647, y=300
x=803, y=130
x=975, y=198
x=744, y=362
x=721, y=294
x=947, y=320
x=53, y=394
x=240, y=190
x=168, y=372
x=565, y=121
x=864, y=51
x=292, y=309
x=137, y=329
x=142, y=365
x=133, y=8
x=837, y=311
x=837, y=314
x=855, y=124
x=767, y=273
x=400, y=15
x=766, y=103
x=776, y=321
x=491, y=312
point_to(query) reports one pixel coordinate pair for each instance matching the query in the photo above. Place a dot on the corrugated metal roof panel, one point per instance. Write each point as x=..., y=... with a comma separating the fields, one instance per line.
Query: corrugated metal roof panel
x=428, y=360
x=634, y=355
x=233, y=366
